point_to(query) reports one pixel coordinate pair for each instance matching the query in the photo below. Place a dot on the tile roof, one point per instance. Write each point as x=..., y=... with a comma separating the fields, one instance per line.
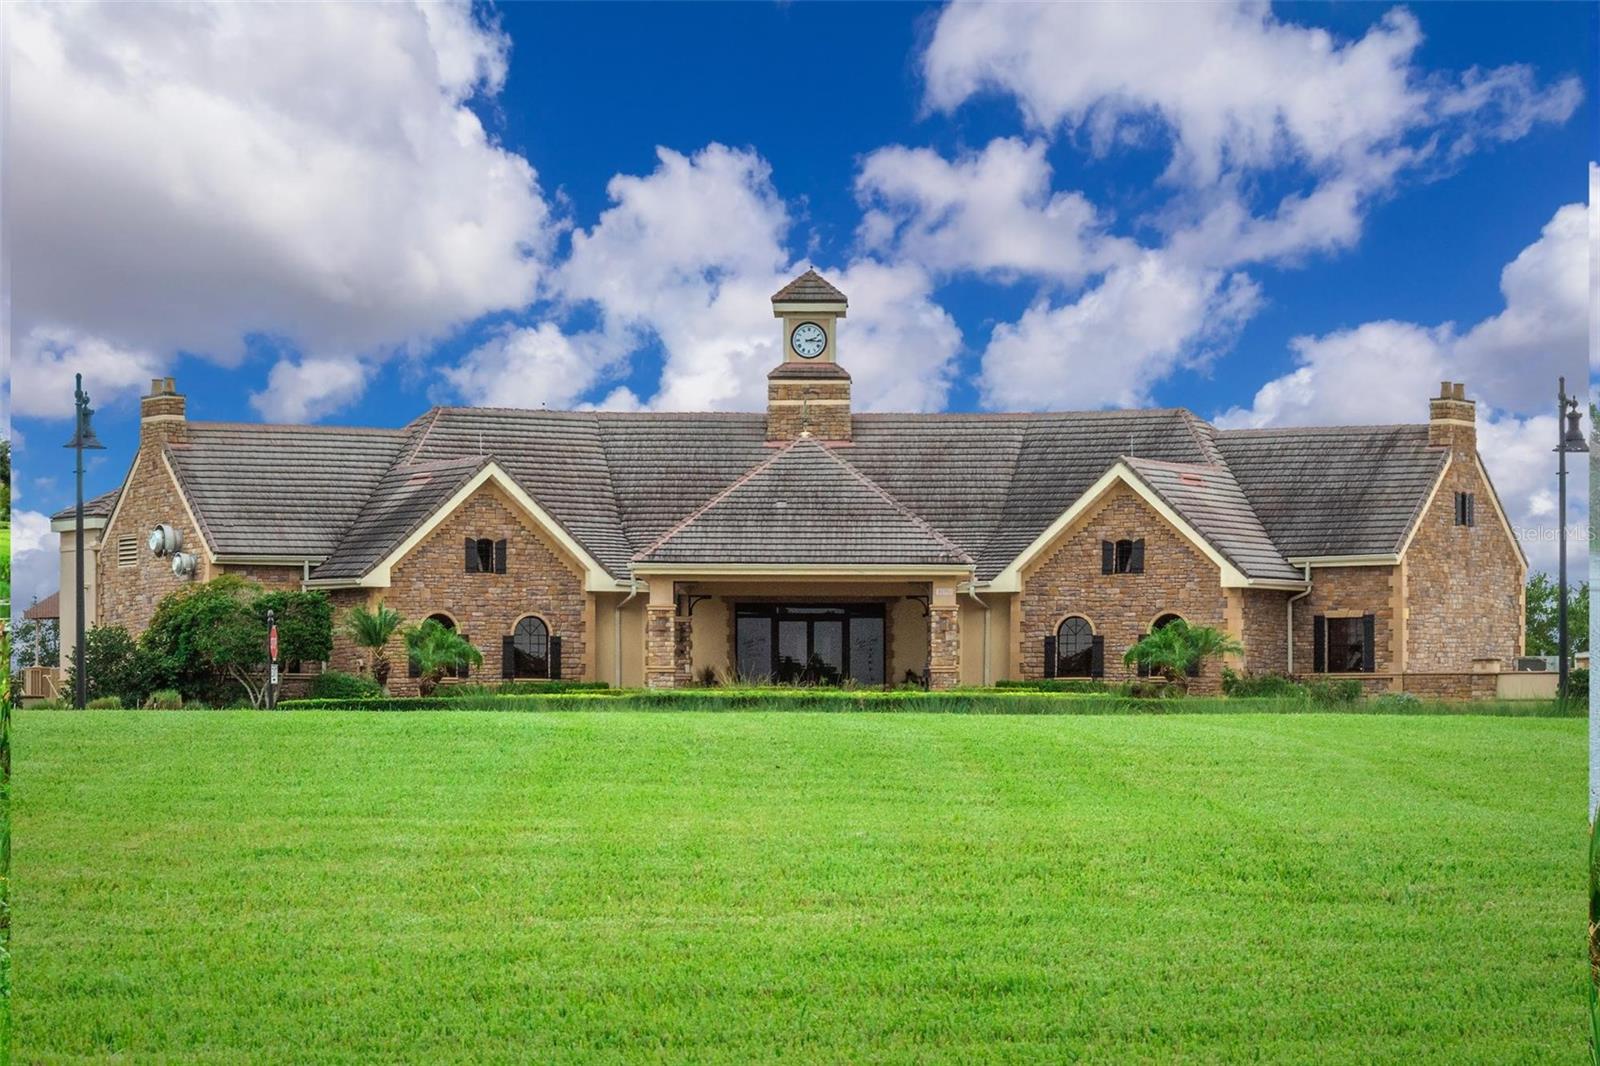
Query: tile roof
x=805, y=505
x=809, y=287
x=1207, y=497
x=100, y=506
x=617, y=482
x=1347, y=490
x=49, y=607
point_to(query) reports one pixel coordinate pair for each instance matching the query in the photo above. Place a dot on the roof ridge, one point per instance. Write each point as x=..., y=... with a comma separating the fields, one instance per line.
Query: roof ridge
x=297, y=427
x=1368, y=427
x=742, y=479
x=915, y=518
x=433, y=420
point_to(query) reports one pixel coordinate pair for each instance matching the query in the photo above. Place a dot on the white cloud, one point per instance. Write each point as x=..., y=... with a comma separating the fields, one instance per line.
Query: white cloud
x=1234, y=87
x=1110, y=346
x=182, y=177
x=685, y=261
x=35, y=560
x=46, y=358
x=536, y=366
x=1384, y=372
x=308, y=389
x=992, y=212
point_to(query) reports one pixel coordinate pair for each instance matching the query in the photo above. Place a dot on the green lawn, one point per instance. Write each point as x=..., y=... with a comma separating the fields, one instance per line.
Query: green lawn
x=237, y=886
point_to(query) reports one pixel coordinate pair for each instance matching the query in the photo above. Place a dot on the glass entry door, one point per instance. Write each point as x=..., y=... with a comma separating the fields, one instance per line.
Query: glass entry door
x=802, y=644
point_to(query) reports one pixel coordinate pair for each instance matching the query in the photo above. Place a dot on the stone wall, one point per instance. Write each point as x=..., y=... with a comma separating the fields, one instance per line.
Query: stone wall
x=1343, y=591
x=1178, y=578
x=944, y=646
x=539, y=580
x=660, y=646
x=1265, y=630
x=127, y=595
x=270, y=578
x=823, y=404
x=1464, y=583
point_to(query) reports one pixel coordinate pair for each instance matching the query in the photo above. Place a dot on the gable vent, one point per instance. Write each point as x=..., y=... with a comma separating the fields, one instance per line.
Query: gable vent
x=128, y=551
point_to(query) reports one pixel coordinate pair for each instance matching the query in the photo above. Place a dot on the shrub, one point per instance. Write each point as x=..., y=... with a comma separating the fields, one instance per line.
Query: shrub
x=116, y=665
x=51, y=705
x=1149, y=689
x=1396, y=701
x=1056, y=685
x=336, y=685
x=1177, y=650
x=1578, y=684
x=1334, y=692
x=534, y=688
x=105, y=703
x=166, y=699
x=1247, y=685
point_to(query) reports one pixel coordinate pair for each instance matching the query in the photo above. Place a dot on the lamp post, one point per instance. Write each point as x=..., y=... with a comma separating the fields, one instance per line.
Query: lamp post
x=1571, y=440
x=82, y=438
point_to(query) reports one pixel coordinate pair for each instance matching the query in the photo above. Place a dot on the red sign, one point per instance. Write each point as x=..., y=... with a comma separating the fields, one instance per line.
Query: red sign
x=272, y=643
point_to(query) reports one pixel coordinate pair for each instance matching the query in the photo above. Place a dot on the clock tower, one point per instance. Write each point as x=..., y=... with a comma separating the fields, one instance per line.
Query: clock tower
x=808, y=393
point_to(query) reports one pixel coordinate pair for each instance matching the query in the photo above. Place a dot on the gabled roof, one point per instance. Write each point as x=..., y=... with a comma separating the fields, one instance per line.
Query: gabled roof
x=406, y=496
x=100, y=506
x=1209, y=499
x=1344, y=490
x=809, y=288
x=804, y=506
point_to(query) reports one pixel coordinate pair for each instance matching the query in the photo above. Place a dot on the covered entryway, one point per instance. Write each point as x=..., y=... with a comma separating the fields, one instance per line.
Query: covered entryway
x=810, y=644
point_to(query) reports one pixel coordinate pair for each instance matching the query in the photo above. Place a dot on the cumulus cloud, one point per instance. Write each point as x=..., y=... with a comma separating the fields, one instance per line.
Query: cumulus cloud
x=1110, y=346
x=182, y=177
x=1383, y=372
x=685, y=262
x=990, y=212
x=1231, y=85
x=305, y=390
x=45, y=358
x=35, y=560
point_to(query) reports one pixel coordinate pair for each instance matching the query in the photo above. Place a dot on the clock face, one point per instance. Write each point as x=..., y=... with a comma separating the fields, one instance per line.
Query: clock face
x=808, y=340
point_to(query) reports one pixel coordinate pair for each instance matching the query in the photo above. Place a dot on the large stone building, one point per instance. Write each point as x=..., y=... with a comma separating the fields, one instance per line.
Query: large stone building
x=813, y=543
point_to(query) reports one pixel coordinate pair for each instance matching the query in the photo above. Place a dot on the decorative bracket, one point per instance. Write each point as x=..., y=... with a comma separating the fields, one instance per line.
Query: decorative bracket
x=924, y=600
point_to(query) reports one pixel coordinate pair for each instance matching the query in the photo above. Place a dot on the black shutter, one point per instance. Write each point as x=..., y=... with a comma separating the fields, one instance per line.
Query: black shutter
x=472, y=556
x=1097, y=657
x=1472, y=508
x=1319, y=644
x=499, y=556
x=1049, y=657
x=465, y=668
x=508, y=656
x=1136, y=562
x=1108, y=556
x=555, y=658
x=1369, y=627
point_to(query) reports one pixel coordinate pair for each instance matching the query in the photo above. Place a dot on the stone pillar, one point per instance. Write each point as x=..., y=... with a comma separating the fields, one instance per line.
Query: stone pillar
x=944, y=636
x=660, y=636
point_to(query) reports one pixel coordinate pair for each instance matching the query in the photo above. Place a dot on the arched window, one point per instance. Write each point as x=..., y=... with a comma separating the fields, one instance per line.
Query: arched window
x=530, y=643
x=1074, y=648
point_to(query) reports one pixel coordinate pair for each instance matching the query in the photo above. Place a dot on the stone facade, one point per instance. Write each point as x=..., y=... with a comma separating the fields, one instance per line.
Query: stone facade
x=271, y=578
x=660, y=646
x=127, y=595
x=821, y=405
x=1264, y=630
x=1178, y=578
x=1464, y=584
x=539, y=580
x=944, y=646
x=1344, y=591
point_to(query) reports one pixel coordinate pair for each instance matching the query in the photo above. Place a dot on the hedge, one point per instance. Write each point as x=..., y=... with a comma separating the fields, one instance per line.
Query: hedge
x=978, y=701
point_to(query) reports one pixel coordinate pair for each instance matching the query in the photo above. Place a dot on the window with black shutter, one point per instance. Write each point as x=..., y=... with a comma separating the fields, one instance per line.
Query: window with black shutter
x=1345, y=645
x=485, y=555
x=531, y=648
x=1124, y=556
x=1074, y=648
x=1465, y=505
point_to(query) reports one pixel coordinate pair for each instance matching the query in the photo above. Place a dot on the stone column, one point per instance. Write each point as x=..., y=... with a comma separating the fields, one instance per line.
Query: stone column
x=944, y=636
x=660, y=636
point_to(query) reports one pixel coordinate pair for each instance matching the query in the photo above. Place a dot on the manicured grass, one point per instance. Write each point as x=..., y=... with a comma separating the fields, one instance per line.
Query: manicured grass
x=237, y=886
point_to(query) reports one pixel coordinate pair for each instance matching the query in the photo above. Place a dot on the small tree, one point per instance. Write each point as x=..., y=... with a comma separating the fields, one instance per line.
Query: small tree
x=373, y=630
x=36, y=642
x=115, y=665
x=1540, y=616
x=1178, y=648
x=438, y=650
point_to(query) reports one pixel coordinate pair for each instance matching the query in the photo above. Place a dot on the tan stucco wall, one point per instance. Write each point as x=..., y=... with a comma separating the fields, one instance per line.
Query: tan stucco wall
x=972, y=642
x=633, y=615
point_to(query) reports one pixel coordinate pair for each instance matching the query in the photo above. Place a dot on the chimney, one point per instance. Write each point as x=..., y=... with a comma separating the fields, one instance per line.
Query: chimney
x=161, y=414
x=1453, y=419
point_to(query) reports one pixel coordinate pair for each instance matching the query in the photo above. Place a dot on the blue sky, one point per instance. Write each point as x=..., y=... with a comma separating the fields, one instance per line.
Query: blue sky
x=1030, y=207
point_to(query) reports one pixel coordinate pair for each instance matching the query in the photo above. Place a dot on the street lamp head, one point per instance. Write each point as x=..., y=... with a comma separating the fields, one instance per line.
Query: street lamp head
x=1573, y=440
x=83, y=433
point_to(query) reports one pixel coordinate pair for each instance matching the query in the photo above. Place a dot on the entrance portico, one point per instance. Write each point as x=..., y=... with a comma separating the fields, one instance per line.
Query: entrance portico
x=864, y=630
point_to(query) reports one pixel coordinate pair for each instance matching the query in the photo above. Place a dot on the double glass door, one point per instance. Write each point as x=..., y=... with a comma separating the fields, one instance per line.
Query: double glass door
x=794, y=644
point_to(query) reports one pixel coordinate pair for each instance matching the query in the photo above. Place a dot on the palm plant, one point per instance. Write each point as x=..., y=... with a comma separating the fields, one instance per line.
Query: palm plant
x=438, y=650
x=373, y=630
x=1178, y=648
